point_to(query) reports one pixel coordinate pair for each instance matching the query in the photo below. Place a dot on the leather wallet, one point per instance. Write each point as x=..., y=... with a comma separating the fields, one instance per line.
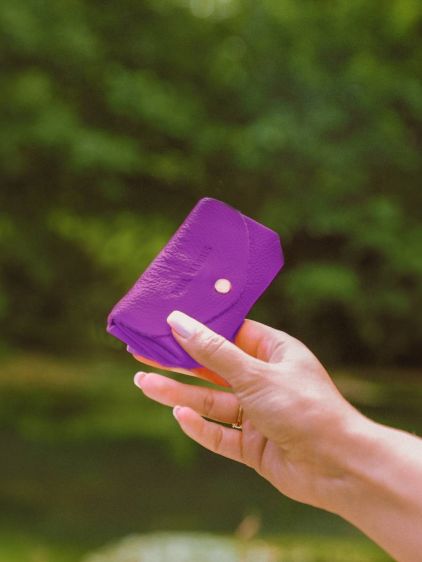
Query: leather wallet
x=214, y=268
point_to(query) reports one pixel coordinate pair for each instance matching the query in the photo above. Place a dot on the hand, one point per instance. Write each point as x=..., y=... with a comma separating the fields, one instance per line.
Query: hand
x=293, y=412
x=298, y=431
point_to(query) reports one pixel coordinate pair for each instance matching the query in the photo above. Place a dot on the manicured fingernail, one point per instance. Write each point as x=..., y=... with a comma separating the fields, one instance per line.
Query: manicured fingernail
x=138, y=378
x=176, y=411
x=183, y=324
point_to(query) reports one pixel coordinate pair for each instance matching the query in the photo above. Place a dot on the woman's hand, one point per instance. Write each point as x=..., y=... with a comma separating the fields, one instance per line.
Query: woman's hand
x=298, y=431
x=293, y=413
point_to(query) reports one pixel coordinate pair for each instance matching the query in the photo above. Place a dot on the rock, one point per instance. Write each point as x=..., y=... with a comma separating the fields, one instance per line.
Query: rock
x=184, y=547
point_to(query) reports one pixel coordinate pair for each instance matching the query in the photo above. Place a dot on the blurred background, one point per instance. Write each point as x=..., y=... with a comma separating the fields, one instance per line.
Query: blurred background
x=116, y=117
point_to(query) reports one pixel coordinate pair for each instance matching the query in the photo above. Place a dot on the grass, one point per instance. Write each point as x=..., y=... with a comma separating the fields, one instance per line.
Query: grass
x=21, y=547
x=89, y=459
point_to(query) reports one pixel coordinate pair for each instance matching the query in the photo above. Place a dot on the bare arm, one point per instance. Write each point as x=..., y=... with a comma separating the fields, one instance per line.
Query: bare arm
x=381, y=492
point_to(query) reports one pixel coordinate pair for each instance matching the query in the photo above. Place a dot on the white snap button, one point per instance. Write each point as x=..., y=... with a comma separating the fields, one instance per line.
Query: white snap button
x=222, y=286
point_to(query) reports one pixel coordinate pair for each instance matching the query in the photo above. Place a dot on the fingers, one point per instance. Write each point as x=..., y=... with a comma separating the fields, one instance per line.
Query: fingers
x=217, y=438
x=208, y=375
x=214, y=404
x=200, y=372
x=269, y=344
x=213, y=351
x=256, y=339
x=155, y=364
x=222, y=362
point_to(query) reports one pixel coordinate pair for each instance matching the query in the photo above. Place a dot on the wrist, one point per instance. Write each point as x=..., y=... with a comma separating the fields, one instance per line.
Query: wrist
x=368, y=461
x=344, y=453
x=377, y=485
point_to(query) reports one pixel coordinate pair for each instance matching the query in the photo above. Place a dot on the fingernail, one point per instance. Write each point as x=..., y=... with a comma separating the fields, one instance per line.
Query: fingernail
x=183, y=324
x=176, y=411
x=138, y=378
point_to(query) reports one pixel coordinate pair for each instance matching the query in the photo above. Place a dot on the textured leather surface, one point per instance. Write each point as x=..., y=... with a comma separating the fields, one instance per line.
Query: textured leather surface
x=215, y=241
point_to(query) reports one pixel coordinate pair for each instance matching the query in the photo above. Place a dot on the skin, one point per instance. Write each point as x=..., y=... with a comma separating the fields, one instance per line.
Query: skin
x=298, y=431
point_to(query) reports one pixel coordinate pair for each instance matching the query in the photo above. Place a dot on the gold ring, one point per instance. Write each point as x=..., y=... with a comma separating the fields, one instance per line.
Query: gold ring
x=238, y=423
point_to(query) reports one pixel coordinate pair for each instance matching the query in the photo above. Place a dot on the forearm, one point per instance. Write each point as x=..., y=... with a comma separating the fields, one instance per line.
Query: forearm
x=380, y=490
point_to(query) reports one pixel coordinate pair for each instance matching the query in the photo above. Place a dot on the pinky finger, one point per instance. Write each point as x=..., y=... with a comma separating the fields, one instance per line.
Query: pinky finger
x=213, y=436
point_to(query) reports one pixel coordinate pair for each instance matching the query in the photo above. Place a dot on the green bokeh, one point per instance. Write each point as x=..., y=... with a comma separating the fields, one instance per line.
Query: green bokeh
x=116, y=118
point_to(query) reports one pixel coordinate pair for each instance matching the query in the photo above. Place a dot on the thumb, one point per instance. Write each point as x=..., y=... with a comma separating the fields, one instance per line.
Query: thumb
x=214, y=351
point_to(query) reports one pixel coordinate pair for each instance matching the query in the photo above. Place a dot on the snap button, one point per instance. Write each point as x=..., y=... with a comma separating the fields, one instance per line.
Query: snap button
x=222, y=286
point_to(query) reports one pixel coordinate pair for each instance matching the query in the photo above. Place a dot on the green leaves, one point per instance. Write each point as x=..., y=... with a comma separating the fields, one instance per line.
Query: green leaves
x=305, y=115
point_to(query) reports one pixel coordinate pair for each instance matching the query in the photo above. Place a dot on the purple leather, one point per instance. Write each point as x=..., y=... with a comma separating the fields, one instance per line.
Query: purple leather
x=214, y=241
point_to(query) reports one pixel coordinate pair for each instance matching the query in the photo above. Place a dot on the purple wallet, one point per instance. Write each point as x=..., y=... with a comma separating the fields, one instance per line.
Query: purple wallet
x=214, y=268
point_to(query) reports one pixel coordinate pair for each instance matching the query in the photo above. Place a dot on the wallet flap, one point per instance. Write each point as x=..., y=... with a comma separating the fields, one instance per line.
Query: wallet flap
x=212, y=243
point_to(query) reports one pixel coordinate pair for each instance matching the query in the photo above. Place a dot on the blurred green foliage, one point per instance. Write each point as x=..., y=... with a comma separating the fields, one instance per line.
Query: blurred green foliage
x=307, y=115
x=46, y=400
x=116, y=118
x=56, y=401
x=88, y=459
